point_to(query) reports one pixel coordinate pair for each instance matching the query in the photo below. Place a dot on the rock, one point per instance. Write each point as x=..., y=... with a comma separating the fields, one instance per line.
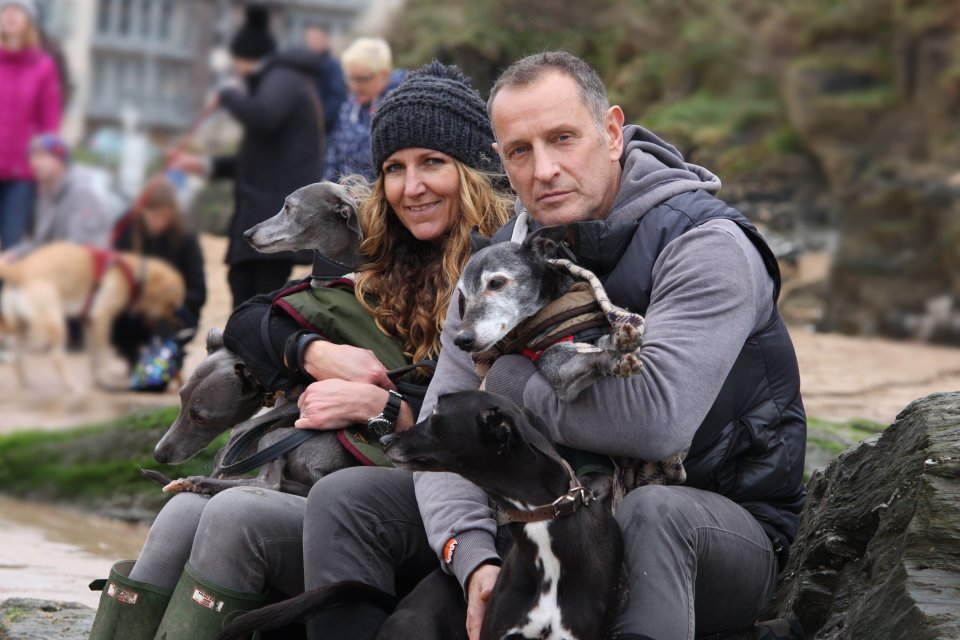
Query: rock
x=29, y=619
x=878, y=553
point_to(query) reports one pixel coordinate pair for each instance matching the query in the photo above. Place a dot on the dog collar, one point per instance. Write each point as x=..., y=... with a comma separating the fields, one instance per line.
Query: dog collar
x=565, y=505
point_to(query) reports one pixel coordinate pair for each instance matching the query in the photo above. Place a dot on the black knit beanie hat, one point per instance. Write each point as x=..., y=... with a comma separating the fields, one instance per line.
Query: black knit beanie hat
x=435, y=108
x=253, y=41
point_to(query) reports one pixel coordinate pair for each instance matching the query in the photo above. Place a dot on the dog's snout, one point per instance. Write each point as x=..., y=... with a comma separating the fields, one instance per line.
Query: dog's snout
x=387, y=440
x=248, y=234
x=465, y=340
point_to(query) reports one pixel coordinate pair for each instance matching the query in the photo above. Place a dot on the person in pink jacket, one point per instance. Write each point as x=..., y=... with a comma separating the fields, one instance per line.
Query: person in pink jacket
x=30, y=103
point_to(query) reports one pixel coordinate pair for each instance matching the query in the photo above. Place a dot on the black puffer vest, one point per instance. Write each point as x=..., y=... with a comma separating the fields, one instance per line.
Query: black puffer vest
x=751, y=446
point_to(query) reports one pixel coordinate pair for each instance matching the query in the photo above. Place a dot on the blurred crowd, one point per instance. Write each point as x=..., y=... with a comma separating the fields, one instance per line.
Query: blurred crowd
x=304, y=116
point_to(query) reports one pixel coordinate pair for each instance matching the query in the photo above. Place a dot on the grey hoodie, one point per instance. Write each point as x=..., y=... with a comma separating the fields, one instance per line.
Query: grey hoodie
x=696, y=325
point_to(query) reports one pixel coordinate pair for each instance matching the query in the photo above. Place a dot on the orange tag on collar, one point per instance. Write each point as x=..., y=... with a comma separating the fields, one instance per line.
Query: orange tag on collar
x=448, y=550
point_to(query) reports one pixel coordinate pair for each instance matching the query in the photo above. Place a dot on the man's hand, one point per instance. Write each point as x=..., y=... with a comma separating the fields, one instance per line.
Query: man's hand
x=479, y=587
x=325, y=360
x=335, y=404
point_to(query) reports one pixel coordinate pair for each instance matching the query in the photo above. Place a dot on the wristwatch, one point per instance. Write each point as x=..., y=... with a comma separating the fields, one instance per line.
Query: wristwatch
x=385, y=422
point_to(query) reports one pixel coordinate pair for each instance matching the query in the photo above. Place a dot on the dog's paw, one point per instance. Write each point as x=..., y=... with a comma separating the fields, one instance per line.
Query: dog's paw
x=628, y=365
x=626, y=338
x=179, y=485
x=193, y=484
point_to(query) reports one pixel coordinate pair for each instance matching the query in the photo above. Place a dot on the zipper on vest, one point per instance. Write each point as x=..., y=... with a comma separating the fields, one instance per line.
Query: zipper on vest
x=568, y=251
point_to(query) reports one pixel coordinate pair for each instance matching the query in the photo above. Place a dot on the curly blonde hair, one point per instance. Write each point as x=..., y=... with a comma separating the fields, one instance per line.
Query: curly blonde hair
x=408, y=283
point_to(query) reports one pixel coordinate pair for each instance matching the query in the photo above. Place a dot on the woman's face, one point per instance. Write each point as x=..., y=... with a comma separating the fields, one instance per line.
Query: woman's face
x=423, y=188
x=366, y=85
x=14, y=22
x=158, y=219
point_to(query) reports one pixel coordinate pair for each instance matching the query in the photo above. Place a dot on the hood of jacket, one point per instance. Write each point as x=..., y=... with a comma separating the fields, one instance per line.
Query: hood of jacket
x=298, y=58
x=654, y=171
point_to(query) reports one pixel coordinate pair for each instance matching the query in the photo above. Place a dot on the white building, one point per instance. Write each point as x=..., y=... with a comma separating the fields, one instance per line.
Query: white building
x=154, y=55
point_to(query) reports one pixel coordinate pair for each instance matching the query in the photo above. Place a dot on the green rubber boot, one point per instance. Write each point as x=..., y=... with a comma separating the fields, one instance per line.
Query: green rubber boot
x=129, y=609
x=199, y=609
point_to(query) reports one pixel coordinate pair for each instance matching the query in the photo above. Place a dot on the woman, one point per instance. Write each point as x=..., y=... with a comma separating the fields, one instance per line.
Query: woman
x=31, y=104
x=159, y=229
x=432, y=190
x=368, y=66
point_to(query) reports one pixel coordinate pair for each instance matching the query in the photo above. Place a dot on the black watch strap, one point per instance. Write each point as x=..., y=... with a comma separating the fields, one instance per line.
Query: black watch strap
x=391, y=411
x=385, y=422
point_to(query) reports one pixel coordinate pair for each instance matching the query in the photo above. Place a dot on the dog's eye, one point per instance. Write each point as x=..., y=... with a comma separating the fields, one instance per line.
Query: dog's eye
x=495, y=284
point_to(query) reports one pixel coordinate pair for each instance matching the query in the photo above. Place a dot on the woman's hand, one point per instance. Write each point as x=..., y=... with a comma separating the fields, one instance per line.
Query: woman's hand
x=479, y=587
x=335, y=404
x=325, y=360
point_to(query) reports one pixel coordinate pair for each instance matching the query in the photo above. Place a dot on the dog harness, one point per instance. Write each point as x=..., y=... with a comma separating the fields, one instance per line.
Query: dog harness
x=103, y=259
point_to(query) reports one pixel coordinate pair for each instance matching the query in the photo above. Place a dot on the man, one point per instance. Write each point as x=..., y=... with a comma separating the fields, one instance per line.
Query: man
x=274, y=101
x=719, y=377
x=330, y=83
x=66, y=208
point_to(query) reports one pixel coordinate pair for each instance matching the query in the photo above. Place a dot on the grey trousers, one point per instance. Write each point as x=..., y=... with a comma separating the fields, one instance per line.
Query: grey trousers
x=363, y=523
x=697, y=562
x=244, y=538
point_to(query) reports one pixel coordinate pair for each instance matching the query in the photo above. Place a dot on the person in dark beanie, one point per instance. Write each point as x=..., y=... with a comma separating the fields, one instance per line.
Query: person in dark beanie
x=274, y=100
x=433, y=201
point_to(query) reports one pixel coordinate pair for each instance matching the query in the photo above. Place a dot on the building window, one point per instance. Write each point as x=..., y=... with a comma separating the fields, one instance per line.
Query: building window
x=104, y=14
x=126, y=17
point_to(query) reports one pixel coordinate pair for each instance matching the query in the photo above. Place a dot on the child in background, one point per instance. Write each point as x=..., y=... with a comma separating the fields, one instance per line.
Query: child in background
x=159, y=229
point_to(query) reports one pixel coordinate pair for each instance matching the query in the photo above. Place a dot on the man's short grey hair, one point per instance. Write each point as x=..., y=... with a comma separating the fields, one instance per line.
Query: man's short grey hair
x=531, y=69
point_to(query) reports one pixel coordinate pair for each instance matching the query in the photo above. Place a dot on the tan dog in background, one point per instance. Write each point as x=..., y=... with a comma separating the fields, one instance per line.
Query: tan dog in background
x=60, y=281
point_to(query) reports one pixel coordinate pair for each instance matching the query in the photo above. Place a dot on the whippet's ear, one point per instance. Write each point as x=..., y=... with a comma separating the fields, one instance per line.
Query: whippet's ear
x=347, y=209
x=214, y=340
x=478, y=240
x=496, y=425
x=545, y=241
x=248, y=382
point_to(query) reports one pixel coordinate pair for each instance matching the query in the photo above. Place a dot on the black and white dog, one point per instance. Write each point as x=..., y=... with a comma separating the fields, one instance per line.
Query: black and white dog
x=560, y=580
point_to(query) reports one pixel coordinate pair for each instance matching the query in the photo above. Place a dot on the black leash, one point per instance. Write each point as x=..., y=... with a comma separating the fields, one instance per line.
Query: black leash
x=261, y=424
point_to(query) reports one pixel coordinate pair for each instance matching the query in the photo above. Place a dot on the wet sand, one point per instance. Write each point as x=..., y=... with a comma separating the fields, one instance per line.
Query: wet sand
x=53, y=553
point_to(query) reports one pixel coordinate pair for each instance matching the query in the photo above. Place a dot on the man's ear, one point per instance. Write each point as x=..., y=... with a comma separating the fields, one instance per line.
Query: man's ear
x=545, y=241
x=613, y=128
x=496, y=425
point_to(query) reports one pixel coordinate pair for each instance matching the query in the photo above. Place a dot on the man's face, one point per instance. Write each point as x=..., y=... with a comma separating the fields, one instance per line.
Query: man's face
x=316, y=39
x=562, y=166
x=47, y=167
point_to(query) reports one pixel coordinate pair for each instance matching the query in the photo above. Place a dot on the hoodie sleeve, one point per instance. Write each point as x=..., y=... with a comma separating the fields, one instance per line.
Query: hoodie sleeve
x=696, y=325
x=274, y=100
x=453, y=508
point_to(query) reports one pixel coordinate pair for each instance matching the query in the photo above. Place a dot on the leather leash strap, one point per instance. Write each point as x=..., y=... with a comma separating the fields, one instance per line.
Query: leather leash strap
x=234, y=466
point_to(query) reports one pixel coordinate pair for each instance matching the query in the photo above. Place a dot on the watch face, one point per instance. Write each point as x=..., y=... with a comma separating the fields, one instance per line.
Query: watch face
x=380, y=426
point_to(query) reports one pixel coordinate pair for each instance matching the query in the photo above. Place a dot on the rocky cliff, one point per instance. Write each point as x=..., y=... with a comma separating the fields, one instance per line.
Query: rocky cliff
x=878, y=553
